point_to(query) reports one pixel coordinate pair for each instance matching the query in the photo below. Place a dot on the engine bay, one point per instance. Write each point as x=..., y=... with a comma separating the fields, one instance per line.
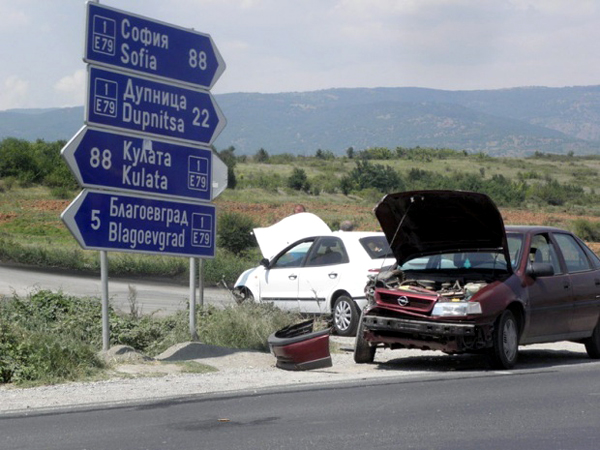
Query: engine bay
x=451, y=287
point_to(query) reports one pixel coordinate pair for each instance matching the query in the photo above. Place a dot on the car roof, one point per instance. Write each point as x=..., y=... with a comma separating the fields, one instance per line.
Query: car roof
x=533, y=229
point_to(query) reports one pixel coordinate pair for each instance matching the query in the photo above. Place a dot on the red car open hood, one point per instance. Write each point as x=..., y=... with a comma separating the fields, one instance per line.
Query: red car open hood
x=420, y=223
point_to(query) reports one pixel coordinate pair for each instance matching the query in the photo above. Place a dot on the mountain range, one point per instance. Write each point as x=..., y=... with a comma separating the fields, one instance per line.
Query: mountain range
x=504, y=122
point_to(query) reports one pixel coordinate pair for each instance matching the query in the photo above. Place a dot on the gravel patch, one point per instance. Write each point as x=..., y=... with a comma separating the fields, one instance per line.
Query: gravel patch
x=135, y=378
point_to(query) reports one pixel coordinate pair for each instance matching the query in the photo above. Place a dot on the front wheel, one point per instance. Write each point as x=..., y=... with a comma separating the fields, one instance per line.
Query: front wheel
x=345, y=316
x=505, y=350
x=242, y=294
x=592, y=344
x=363, y=352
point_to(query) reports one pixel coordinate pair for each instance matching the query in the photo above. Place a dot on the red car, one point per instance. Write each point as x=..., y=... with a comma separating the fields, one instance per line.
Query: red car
x=466, y=284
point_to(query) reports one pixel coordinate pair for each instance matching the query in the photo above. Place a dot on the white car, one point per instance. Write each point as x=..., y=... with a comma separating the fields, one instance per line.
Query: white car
x=310, y=269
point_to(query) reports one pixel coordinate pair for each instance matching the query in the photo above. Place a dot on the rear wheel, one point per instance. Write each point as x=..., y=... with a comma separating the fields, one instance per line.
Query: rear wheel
x=504, y=353
x=345, y=316
x=592, y=344
x=363, y=352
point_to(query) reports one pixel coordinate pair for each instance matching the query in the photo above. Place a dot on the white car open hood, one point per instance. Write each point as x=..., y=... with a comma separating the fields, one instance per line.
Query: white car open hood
x=275, y=238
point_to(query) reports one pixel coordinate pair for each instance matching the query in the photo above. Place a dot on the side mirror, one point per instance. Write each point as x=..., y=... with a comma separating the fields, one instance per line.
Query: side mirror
x=264, y=262
x=535, y=270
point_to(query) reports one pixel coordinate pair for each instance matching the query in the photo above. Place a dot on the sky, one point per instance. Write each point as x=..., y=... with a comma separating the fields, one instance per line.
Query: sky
x=273, y=46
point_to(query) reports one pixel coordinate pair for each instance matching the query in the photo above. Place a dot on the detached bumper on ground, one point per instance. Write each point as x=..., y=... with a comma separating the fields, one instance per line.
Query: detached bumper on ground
x=298, y=347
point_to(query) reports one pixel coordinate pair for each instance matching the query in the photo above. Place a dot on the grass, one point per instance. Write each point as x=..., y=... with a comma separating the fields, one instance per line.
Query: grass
x=49, y=337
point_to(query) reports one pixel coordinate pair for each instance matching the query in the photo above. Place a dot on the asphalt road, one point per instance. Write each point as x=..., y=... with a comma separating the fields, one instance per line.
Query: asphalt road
x=160, y=297
x=540, y=408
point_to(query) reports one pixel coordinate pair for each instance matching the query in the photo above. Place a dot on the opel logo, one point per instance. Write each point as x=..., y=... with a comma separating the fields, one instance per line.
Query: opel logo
x=403, y=301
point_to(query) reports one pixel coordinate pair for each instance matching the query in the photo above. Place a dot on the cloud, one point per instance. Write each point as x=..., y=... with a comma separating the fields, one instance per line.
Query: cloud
x=11, y=18
x=71, y=88
x=13, y=93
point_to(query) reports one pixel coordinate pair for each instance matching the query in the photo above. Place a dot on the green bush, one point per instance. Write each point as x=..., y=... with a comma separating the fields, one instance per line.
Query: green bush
x=246, y=326
x=49, y=337
x=235, y=232
x=366, y=175
x=298, y=180
x=586, y=230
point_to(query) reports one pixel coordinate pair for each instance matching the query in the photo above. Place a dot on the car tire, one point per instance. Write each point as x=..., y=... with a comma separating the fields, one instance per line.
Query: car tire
x=505, y=351
x=364, y=353
x=592, y=344
x=345, y=316
x=245, y=295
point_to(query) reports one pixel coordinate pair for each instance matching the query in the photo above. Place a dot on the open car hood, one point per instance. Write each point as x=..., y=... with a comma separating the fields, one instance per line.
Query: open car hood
x=275, y=238
x=420, y=223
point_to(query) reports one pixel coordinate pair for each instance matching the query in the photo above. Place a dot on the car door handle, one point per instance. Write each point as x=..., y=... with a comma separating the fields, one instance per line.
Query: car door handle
x=293, y=277
x=333, y=275
x=597, y=282
x=566, y=286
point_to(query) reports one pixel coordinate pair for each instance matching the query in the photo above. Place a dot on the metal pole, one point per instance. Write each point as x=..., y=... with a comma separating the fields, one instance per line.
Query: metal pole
x=201, y=282
x=193, y=333
x=104, y=283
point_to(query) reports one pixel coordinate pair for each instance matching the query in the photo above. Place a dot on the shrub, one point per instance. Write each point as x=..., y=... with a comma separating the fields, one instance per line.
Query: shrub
x=246, y=326
x=261, y=156
x=586, y=230
x=366, y=175
x=235, y=232
x=298, y=180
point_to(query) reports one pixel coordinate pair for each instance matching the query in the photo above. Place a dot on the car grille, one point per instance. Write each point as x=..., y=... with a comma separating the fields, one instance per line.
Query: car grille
x=407, y=301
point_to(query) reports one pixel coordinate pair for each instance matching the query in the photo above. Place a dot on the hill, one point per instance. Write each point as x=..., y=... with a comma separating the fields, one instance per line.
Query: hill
x=506, y=122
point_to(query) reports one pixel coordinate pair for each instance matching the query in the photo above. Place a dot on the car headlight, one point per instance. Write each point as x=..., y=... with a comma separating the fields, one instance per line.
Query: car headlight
x=445, y=309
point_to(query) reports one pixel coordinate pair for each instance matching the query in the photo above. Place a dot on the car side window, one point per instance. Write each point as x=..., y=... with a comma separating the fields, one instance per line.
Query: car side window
x=328, y=251
x=294, y=256
x=543, y=251
x=575, y=258
x=591, y=255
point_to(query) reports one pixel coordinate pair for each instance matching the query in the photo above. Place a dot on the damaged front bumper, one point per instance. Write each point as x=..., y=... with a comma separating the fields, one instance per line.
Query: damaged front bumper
x=298, y=347
x=450, y=337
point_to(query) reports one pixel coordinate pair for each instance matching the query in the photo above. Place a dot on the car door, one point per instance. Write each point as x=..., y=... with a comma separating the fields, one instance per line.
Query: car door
x=321, y=274
x=585, y=280
x=549, y=297
x=279, y=282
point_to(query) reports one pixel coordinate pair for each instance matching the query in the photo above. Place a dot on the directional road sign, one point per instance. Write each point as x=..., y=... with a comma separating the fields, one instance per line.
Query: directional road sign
x=130, y=42
x=112, y=221
x=120, y=162
x=152, y=108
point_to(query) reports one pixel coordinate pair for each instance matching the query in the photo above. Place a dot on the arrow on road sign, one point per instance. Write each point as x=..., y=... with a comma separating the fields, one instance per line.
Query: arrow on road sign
x=135, y=43
x=107, y=160
x=111, y=221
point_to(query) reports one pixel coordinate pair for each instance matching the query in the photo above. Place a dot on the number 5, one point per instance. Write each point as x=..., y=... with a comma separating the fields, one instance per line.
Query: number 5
x=95, y=219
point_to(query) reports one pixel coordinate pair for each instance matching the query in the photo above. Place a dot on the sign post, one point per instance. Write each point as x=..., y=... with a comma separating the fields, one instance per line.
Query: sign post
x=143, y=156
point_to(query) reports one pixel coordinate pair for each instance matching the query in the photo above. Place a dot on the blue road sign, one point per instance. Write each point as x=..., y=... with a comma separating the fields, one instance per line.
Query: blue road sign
x=130, y=42
x=112, y=221
x=152, y=108
x=120, y=162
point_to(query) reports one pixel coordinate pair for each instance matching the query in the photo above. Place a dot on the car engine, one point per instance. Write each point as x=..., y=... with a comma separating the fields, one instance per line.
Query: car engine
x=396, y=279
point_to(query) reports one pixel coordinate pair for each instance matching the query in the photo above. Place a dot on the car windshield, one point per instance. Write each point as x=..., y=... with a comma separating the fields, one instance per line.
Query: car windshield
x=491, y=260
x=377, y=247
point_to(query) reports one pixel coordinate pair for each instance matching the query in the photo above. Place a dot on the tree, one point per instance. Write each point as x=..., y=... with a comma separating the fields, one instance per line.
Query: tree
x=261, y=156
x=298, y=180
x=383, y=178
x=229, y=159
x=235, y=232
